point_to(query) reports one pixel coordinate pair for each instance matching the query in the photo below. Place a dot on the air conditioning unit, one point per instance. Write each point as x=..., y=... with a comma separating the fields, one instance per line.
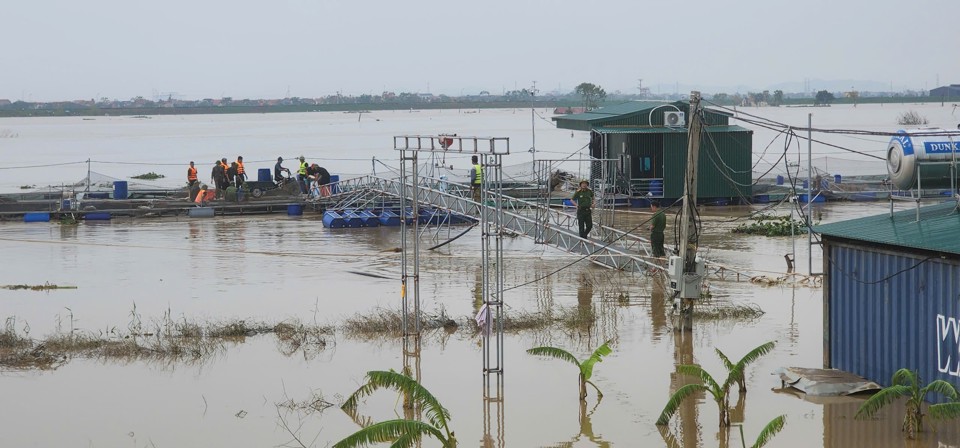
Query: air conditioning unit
x=674, y=119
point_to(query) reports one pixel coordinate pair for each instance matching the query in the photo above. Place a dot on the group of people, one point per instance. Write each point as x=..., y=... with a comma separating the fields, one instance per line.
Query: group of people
x=222, y=176
x=234, y=174
x=585, y=200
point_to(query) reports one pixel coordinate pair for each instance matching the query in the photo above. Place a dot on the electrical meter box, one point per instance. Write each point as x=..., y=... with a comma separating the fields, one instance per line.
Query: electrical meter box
x=687, y=284
x=675, y=272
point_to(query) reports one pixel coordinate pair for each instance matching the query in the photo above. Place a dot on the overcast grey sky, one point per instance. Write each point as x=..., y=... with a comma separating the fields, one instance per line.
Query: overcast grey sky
x=69, y=49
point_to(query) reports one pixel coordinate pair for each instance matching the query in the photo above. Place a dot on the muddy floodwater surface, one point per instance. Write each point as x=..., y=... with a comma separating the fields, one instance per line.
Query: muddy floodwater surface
x=134, y=275
x=273, y=269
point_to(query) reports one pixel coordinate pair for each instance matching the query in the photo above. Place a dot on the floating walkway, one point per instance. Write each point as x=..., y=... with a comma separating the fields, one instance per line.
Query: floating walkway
x=100, y=210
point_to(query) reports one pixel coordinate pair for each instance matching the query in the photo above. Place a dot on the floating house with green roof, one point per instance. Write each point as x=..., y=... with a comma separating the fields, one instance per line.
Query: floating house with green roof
x=649, y=141
x=891, y=294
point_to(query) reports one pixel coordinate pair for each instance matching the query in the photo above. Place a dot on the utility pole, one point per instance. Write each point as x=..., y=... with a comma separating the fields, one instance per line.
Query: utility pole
x=689, y=284
x=533, y=124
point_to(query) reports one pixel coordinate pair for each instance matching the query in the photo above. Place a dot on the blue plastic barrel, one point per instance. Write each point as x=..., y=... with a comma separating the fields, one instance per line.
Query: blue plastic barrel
x=351, y=219
x=66, y=205
x=263, y=175
x=836, y=178
x=656, y=188
x=36, y=217
x=294, y=210
x=369, y=218
x=333, y=220
x=120, y=189
x=389, y=218
x=779, y=179
x=334, y=185
x=97, y=216
x=806, y=184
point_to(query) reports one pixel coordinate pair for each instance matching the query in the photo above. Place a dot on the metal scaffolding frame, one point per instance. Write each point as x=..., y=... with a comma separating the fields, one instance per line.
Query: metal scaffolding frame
x=491, y=225
x=604, y=189
x=409, y=157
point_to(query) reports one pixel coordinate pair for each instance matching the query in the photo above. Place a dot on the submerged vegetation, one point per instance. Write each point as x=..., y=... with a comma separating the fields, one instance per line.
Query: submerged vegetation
x=906, y=383
x=165, y=340
x=912, y=118
x=148, y=176
x=772, y=225
x=43, y=287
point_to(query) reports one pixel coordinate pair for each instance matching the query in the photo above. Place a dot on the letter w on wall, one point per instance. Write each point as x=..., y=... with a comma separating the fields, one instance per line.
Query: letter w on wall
x=948, y=345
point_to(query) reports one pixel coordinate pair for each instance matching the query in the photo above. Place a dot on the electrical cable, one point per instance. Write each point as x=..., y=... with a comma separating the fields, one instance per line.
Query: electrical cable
x=40, y=166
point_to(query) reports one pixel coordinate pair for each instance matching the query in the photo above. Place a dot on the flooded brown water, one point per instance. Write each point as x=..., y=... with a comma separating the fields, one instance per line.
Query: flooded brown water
x=276, y=268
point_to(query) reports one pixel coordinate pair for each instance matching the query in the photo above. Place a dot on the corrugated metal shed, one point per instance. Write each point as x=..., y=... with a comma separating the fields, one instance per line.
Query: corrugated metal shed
x=937, y=230
x=892, y=295
x=653, y=154
x=724, y=169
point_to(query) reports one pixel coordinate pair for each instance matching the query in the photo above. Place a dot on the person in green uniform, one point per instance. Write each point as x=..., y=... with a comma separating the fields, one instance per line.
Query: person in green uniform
x=583, y=197
x=657, y=224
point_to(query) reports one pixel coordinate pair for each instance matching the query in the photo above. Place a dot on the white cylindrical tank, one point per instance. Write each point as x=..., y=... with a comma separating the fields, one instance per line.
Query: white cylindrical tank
x=924, y=151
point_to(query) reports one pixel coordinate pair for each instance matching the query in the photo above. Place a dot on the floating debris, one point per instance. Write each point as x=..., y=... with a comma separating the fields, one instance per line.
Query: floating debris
x=148, y=176
x=43, y=287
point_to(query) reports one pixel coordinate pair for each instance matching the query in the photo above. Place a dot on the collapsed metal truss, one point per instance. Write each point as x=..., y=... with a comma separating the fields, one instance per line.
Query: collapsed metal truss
x=613, y=248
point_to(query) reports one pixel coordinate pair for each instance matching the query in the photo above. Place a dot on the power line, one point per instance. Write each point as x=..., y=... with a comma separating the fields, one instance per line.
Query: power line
x=41, y=166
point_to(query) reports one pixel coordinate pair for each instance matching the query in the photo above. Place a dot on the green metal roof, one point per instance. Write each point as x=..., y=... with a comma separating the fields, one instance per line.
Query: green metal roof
x=663, y=130
x=635, y=113
x=936, y=230
x=614, y=110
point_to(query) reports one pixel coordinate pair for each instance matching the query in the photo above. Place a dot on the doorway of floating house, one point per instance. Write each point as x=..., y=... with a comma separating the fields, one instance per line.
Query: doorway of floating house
x=642, y=156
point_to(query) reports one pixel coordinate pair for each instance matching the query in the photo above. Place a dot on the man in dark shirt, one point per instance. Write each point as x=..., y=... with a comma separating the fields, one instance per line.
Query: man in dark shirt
x=583, y=197
x=657, y=224
x=278, y=170
x=321, y=176
x=219, y=179
x=232, y=173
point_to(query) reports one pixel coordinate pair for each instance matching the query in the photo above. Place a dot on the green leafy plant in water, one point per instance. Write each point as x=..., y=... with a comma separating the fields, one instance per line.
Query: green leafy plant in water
x=719, y=391
x=772, y=225
x=403, y=433
x=586, y=366
x=906, y=383
x=766, y=434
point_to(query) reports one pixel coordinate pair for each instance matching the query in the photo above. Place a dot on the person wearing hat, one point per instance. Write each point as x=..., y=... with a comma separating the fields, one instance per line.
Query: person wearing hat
x=278, y=170
x=218, y=177
x=584, y=199
x=657, y=224
x=302, y=175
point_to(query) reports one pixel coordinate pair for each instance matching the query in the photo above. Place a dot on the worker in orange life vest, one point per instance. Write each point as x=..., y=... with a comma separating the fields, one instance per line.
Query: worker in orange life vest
x=241, y=173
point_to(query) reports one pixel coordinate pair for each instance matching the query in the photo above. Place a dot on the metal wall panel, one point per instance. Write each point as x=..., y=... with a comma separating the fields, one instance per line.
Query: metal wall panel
x=724, y=168
x=889, y=309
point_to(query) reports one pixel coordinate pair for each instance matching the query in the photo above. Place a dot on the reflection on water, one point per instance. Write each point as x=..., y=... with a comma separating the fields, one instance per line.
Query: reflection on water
x=494, y=414
x=274, y=268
